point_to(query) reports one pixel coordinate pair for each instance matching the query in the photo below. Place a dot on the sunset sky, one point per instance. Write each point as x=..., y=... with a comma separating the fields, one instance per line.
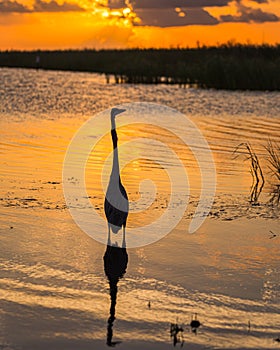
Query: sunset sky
x=60, y=24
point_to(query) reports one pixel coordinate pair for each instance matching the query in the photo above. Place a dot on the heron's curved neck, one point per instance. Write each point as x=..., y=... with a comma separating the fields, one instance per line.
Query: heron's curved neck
x=113, y=123
x=115, y=170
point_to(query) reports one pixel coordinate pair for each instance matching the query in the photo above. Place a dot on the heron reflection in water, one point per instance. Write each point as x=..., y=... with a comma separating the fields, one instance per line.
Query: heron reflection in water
x=116, y=211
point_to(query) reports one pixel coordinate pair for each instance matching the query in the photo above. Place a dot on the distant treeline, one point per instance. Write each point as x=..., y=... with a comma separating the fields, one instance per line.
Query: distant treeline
x=229, y=66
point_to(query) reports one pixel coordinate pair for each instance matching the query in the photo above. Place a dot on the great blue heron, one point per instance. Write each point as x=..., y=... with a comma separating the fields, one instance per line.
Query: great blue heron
x=116, y=200
x=116, y=211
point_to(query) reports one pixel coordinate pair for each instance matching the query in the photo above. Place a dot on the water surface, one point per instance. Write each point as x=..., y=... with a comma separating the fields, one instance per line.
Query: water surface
x=53, y=289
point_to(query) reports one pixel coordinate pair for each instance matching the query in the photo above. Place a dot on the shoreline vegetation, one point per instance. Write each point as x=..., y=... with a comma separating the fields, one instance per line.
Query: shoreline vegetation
x=229, y=66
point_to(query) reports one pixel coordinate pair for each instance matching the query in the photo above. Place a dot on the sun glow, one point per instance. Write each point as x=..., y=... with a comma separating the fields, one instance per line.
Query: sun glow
x=126, y=11
x=98, y=25
x=105, y=14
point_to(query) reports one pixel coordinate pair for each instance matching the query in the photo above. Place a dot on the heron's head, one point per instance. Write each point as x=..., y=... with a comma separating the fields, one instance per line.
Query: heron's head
x=116, y=111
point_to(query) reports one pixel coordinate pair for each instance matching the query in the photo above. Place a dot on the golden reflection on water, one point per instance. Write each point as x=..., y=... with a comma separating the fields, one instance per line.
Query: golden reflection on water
x=143, y=166
x=224, y=319
x=228, y=271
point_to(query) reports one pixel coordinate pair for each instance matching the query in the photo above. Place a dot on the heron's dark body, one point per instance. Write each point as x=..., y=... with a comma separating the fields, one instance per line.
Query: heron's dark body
x=116, y=200
x=114, y=215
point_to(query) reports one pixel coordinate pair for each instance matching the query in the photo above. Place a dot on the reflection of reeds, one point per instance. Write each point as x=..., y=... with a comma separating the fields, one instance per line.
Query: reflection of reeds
x=275, y=196
x=255, y=170
x=176, y=333
x=273, y=158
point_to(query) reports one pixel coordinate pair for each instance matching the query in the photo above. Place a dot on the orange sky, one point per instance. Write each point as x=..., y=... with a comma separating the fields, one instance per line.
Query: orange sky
x=55, y=24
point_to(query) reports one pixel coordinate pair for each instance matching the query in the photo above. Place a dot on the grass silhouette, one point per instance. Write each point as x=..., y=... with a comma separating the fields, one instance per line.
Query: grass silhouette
x=228, y=66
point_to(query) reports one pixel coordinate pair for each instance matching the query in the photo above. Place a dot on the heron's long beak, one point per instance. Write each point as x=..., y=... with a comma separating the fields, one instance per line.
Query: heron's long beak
x=117, y=111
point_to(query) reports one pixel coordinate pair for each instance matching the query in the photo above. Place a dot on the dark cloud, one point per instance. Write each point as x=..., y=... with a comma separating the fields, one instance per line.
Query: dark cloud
x=247, y=14
x=171, y=4
x=166, y=4
x=53, y=6
x=116, y=4
x=260, y=1
x=170, y=18
x=162, y=13
x=8, y=6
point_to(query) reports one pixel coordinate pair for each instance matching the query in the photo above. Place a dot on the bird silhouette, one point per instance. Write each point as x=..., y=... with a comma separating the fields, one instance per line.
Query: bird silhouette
x=116, y=200
x=116, y=210
x=195, y=324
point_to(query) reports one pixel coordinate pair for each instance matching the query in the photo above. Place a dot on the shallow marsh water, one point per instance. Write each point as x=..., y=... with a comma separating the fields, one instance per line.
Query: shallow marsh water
x=53, y=291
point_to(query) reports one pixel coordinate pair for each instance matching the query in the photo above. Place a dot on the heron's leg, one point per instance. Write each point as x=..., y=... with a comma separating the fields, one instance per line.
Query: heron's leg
x=109, y=235
x=123, y=241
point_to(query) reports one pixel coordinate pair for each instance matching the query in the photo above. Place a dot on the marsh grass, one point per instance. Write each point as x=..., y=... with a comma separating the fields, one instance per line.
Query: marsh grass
x=229, y=66
x=273, y=158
